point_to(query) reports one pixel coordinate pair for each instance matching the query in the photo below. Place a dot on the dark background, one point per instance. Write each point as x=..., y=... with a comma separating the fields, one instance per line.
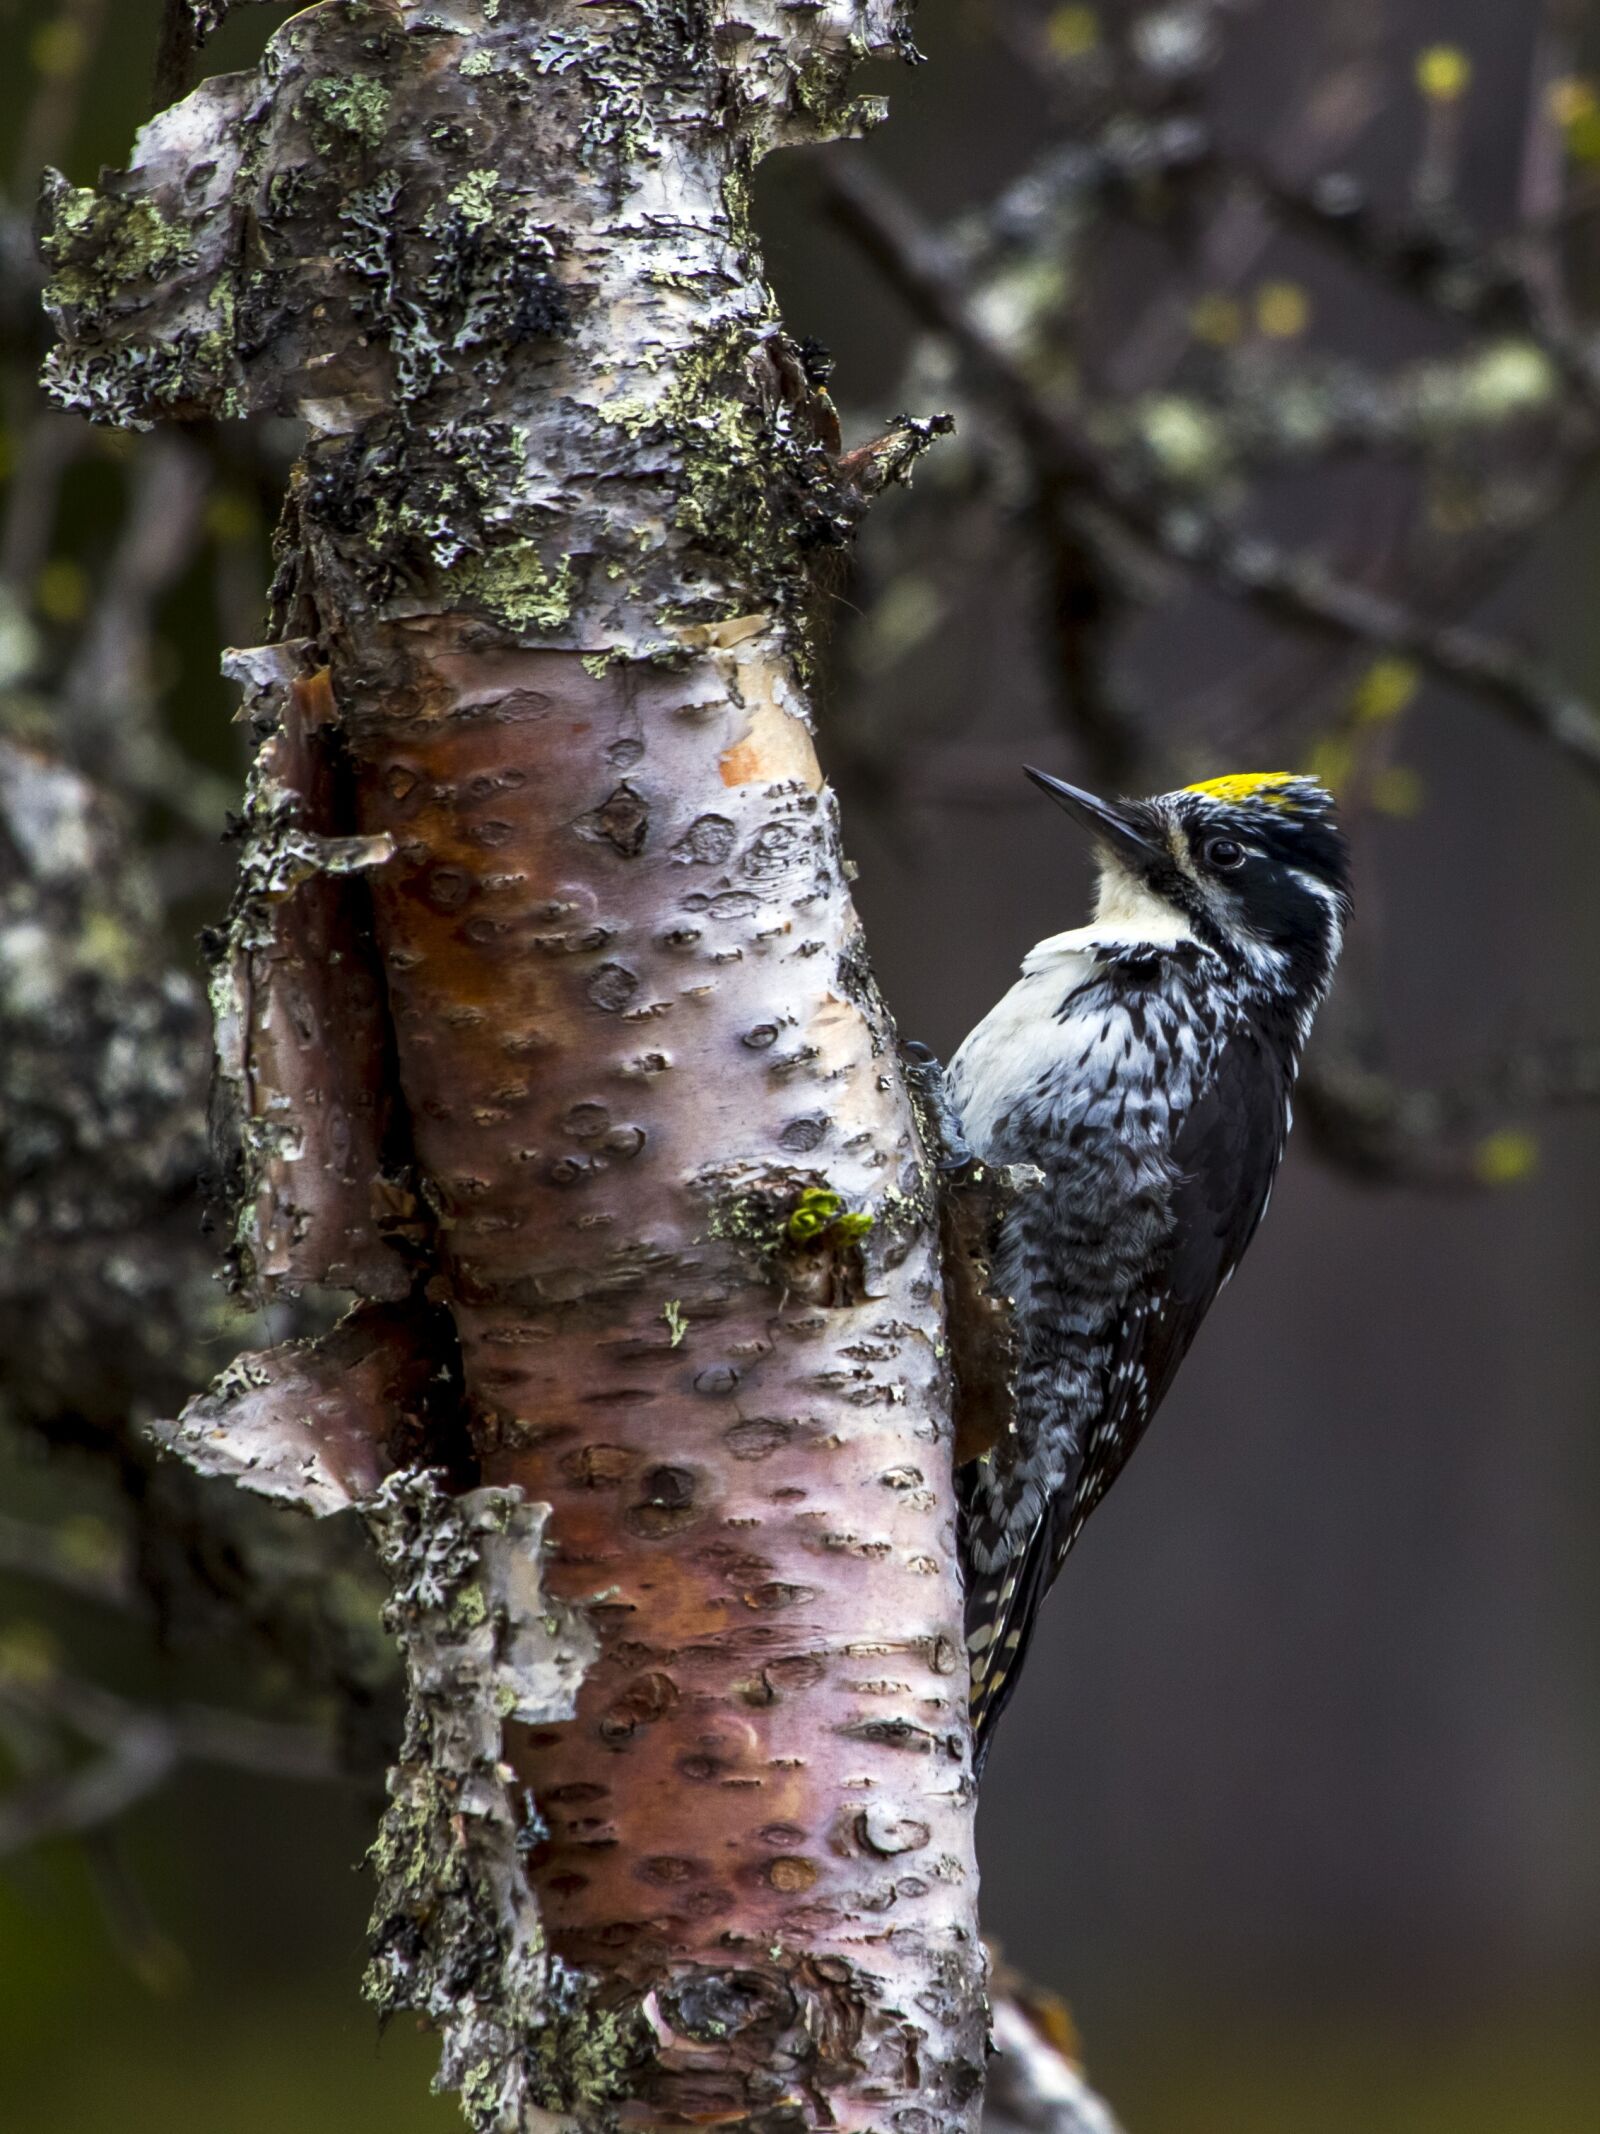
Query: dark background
x=1299, y=1804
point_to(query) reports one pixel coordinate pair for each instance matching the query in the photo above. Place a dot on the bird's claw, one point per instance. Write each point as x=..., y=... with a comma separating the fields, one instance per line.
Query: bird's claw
x=941, y=1124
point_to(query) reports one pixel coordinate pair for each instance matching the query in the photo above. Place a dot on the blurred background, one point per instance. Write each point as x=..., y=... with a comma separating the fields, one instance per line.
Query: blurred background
x=1272, y=335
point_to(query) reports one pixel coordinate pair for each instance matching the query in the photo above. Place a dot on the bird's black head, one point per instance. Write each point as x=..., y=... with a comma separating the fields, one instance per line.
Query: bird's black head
x=1254, y=865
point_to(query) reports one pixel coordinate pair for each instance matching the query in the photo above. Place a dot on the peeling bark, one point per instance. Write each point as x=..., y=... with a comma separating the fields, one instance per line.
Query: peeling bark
x=543, y=998
x=321, y=1424
x=303, y=1111
x=456, y=1931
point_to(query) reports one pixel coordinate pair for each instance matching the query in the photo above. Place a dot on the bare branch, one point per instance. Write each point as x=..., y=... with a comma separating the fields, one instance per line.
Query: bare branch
x=137, y=1749
x=1456, y=1138
x=62, y=1557
x=1289, y=589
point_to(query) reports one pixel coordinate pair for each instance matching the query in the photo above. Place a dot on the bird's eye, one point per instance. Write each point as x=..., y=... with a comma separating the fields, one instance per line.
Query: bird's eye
x=1224, y=853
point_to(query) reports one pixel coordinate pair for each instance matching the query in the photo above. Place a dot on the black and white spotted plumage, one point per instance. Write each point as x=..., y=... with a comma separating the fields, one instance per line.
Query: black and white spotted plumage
x=1144, y=1064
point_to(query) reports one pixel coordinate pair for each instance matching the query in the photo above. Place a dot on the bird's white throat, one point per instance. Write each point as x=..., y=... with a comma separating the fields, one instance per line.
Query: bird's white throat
x=1127, y=914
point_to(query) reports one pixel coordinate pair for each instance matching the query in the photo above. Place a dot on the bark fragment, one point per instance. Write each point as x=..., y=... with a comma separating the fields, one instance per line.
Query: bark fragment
x=456, y=1933
x=318, y=1424
x=304, y=1106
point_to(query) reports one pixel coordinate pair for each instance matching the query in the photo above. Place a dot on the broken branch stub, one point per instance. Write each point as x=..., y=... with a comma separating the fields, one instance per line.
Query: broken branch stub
x=319, y=1424
x=551, y=541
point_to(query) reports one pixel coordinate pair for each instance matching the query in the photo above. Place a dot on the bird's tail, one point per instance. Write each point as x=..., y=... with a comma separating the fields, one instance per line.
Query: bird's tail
x=1002, y=1608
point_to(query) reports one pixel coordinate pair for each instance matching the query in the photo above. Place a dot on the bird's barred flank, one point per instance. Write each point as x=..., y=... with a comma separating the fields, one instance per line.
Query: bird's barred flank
x=1143, y=1063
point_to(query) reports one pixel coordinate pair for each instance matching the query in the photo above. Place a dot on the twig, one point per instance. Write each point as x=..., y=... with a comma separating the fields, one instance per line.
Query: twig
x=108, y=693
x=1437, y=260
x=44, y=1554
x=1450, y=1138
x=1290, y=589
x=140, y=1749
x=176, y=49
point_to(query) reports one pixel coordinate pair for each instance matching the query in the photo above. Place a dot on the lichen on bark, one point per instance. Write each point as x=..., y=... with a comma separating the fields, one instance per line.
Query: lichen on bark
x=542, y=622
x=456, y=1933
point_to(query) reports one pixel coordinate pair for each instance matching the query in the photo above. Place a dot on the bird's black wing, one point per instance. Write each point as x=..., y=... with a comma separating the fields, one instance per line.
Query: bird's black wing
x=1225, y=1155
x=1002, y=1610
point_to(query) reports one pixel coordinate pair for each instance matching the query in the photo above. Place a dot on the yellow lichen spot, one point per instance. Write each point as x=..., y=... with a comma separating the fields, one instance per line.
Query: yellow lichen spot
x=677, y=1325
x=1332, y=761
x=1072, y=32
x=1271, y=788
x=1509, y=378
x=1217, y=320
x=1570, y=99
x=231, y=517
x=89, y=1543
x=1444, y=73
x=1283, y=310
x=1576, y=110
x=59, y=49
x=1182, y=434
x=61, y=591
x=29, y=1653
x=1506, y=1157
x=1384, y=691
x=1397, y=790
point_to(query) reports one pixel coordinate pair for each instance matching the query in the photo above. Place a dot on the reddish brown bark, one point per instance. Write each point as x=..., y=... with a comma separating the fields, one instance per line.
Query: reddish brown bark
x=613, y=931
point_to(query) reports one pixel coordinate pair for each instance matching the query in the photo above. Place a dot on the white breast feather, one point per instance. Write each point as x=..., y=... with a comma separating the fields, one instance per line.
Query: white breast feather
x=1025, y=1034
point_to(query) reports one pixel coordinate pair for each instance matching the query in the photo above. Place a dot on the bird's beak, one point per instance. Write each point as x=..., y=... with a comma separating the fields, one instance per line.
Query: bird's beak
x=1109, y=824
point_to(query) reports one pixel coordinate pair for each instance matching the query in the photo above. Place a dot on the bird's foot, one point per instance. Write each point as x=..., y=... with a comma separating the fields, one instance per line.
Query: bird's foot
x=941, y=1125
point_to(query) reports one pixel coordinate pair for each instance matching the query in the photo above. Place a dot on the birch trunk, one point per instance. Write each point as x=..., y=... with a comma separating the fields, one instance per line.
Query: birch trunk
x=545, y=1028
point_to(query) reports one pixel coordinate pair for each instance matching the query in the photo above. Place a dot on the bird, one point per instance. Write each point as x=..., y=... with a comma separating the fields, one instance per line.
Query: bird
x=1144, y=1065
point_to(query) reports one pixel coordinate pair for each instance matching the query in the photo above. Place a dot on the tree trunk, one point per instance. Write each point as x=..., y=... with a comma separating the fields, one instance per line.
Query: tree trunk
x=545, y=1027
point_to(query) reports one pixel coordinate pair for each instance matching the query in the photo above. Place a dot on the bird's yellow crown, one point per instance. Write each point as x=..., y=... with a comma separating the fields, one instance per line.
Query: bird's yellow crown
x=1271, y=789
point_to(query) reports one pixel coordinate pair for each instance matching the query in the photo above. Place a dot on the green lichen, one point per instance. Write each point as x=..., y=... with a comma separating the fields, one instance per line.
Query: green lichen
x=821, y=1217
x=474, y=197
x=101, y=247
x=755, y=491
x=518, y=588
x=339, y=110
x=131, y=384
x=456, y=1936
x=677, y=1325
x=818, y=1208
x=630, y=412
x=786, y=1223
x=586, y=2062
x=853, y=1226
x=478, y=63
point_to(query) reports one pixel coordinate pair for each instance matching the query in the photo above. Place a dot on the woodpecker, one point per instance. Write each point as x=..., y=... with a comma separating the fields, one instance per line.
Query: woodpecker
x=1144, y=1064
